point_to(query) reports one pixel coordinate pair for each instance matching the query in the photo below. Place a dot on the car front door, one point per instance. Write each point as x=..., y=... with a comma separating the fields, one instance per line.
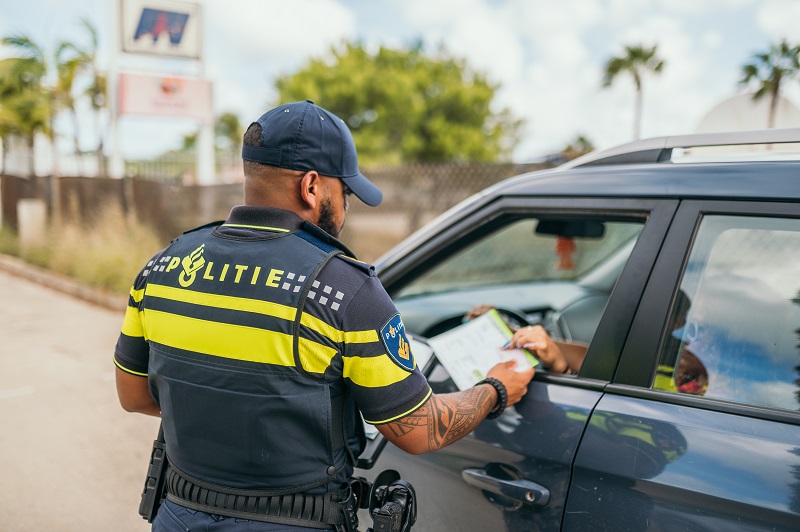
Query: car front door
x=513, y=473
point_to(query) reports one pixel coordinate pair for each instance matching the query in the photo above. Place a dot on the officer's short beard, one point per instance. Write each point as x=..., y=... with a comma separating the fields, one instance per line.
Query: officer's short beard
x=326, y=221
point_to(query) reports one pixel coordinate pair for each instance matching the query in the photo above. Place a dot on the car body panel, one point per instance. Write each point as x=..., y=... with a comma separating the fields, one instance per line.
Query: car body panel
x=613, y=453
x=552, y=415
x=643, y=463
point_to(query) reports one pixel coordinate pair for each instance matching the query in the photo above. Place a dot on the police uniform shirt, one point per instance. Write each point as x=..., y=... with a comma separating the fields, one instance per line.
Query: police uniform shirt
x=219, y=305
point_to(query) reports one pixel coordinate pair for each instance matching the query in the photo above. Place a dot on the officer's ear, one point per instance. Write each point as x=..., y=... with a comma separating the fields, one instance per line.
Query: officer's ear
x=311, y=191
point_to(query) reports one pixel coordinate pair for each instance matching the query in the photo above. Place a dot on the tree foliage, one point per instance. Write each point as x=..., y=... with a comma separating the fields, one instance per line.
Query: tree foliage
x=769, y=70
x=405, y=106
x=25, y=102
x=228, y=131
x=29, y=103
x=581, y=145
x=635, y=61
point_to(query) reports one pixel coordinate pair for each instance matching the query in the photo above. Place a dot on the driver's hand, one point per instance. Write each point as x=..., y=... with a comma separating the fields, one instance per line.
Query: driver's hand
x=536, y=340
x=516, y=382
x=482, y=309
x=477, y=311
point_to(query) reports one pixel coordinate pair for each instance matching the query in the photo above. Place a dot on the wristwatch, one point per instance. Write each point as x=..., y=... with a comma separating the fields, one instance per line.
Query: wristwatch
x=502, y=396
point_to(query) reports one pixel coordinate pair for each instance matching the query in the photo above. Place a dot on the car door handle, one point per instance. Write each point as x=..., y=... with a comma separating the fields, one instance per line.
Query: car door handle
x=524, y=491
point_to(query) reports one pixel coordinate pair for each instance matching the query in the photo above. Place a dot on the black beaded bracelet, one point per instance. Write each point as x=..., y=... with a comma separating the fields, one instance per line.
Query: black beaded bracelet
x=502, y=396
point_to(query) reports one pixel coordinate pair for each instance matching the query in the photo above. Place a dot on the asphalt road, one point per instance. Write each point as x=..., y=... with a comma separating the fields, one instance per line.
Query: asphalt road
x=70, y=458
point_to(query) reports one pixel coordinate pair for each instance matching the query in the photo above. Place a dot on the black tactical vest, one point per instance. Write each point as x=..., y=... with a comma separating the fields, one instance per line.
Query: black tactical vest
x=222, y=315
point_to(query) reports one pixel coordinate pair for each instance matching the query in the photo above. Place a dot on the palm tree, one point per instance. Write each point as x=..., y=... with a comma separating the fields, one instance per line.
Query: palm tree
x=72, y=61
x=97, y=91
x=770, y=69
x=70, y=64
x=636, y=61
x=25, y=99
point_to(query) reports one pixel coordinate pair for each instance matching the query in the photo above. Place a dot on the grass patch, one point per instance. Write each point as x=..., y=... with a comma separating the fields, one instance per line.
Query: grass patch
x=106, y=254
x=9, y=242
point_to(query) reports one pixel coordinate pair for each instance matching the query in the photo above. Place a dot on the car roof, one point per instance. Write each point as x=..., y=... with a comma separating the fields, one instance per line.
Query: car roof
x=645, y=169
x=772, y=180
x=735, y=169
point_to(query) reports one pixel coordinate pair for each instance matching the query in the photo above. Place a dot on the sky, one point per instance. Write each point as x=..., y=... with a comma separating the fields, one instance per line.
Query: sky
x=546, y=57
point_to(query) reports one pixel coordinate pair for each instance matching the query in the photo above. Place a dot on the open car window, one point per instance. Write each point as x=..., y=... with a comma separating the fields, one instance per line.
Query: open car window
x=557, y=271
x=529, y=250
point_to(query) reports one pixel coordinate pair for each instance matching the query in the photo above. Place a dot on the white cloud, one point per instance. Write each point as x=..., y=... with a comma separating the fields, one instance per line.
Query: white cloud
x=256, y=31
x=547, y=56
x=487, y=46
x=778, y=18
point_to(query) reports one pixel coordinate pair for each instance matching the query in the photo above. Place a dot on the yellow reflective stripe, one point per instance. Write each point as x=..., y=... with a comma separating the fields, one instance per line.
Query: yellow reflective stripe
x=225, y=302
x=352, y=337
x=668, y=370
x=373, y=372
x=126, y=370
x=279, y=229
x=132, y=325
x=404, y=414
x=314, y=357
x=316, y=324
x=261, y=307
x=361, y=337
x=219, y=339
x=137, y=294
x=664, y=382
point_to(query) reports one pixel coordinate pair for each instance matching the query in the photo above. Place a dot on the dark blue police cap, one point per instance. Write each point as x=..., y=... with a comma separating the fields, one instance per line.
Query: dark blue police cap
x=303, y=136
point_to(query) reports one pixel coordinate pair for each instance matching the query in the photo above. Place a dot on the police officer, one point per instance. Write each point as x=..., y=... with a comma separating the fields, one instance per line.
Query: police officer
x=259, y=339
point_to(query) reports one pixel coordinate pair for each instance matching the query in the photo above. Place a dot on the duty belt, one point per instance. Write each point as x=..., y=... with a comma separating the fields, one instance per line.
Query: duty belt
x=336, y=509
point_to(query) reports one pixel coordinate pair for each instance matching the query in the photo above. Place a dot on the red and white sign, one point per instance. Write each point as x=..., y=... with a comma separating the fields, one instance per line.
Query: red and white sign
x=141, y=94
x=162, y=27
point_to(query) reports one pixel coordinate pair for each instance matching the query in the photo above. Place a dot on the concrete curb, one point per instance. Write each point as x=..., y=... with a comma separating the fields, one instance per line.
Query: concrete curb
x=20, y=268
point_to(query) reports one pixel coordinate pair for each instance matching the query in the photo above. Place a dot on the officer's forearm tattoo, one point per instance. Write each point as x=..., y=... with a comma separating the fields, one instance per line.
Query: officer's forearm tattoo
x=449, y=417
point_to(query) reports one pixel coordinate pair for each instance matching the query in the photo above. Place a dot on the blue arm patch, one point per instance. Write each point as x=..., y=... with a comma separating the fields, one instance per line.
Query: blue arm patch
x=396, y=342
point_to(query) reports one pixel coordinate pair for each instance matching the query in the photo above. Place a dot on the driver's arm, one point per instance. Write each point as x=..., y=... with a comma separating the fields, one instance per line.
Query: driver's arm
x=445, y=418
x=558, y=356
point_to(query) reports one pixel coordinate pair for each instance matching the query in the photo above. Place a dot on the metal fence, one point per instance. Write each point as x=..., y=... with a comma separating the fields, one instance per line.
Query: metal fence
x=180, y=168
x=413, y=195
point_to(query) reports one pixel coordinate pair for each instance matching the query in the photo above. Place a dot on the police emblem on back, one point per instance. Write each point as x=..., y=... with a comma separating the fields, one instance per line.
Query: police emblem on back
x=396, y=342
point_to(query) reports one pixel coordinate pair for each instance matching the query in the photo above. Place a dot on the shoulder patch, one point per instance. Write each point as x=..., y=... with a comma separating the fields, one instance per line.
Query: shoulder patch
x=396, y=342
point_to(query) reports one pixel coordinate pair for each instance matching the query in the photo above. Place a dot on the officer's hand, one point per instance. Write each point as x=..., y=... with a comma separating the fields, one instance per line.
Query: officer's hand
x=516, y=382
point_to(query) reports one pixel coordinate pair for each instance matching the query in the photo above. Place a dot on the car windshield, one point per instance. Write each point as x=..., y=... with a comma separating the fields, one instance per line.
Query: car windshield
x=530, y=250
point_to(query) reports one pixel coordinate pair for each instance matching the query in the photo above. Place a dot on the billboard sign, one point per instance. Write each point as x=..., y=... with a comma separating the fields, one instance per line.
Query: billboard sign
x=141, y=94
x=162, y=27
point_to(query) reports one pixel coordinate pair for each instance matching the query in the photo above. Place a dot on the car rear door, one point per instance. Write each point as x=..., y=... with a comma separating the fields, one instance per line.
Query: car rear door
x=700, y=429
x=513, y=473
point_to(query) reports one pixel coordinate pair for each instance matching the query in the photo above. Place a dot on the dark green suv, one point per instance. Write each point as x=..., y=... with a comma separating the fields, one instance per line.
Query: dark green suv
x=675, y=262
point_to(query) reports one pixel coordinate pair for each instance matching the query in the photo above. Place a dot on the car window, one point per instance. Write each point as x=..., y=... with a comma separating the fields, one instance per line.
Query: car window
x=557, y=271
x=530, y=250
x=734, y=327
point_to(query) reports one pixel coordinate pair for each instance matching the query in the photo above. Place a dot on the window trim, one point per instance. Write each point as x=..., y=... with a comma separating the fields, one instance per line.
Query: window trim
x=706, y=403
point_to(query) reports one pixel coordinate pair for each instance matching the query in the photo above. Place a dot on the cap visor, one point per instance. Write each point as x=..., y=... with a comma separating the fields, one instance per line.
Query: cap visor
x=364, y=189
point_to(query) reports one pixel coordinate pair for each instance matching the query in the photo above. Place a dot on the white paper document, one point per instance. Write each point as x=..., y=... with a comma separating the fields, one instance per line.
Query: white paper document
x=470, y=350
